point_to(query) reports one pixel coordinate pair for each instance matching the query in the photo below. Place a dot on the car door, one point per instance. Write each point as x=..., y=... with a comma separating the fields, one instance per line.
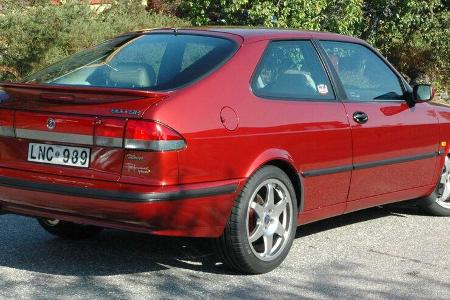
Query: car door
x=395, y=143
x=294, y=89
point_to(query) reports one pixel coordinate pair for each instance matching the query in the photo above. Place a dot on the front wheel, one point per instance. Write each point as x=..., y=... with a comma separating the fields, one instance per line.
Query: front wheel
x=438, y=203
x=68, y=230
x=262, y=225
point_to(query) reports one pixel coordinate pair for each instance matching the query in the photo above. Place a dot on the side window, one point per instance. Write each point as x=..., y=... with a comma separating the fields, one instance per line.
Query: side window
x=291, y=70
x=365, y=76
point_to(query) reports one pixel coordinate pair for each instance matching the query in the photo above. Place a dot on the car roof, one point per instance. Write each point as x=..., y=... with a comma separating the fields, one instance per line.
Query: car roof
x=249, y=34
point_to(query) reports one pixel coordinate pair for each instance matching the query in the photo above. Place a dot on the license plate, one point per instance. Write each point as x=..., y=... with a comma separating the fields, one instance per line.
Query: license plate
x=59, y=155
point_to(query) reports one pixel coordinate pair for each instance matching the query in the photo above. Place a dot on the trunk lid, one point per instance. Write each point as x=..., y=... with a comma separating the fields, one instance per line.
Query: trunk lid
x=78, y=100
x=71, y=117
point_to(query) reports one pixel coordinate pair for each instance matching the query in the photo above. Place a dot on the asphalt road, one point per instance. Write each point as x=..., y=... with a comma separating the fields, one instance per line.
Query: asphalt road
x=391, y=252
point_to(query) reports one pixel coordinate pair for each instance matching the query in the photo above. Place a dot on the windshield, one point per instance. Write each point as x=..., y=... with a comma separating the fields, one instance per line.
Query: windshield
x=152, y=61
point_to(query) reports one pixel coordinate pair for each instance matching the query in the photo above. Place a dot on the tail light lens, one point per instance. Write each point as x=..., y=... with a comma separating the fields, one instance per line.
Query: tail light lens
x=153, y=136
x=7, y=123
x=117, y=133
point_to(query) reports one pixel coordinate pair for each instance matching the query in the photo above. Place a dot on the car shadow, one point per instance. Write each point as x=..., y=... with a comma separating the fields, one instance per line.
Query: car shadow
x=401, y=209
x=26, y=246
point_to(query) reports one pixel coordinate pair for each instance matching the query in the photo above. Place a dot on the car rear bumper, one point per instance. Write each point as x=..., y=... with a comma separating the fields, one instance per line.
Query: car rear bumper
x=200, y=210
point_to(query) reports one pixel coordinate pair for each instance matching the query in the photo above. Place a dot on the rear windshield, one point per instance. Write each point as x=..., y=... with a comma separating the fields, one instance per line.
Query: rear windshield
x=152, y=61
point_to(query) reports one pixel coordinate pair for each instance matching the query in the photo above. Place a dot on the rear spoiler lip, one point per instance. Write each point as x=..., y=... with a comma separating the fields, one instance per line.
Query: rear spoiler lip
x=75, y=89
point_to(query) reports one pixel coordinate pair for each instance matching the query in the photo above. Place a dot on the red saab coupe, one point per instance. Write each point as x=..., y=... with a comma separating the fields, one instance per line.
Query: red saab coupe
x=233, y=134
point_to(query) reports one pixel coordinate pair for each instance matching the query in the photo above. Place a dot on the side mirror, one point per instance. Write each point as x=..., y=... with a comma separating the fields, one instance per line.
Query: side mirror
x=422, y=93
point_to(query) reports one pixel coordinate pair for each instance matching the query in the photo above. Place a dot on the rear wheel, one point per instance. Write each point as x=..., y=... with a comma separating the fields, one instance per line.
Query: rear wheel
x=438, y=203
x=68, y=230
x=262, y=224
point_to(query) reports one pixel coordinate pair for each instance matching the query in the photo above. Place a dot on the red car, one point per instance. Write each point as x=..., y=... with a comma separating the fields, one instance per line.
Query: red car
x=234, y=134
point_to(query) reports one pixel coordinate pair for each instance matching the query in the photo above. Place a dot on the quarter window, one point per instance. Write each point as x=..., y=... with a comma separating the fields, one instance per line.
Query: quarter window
x=365, y=76
x=291, y=70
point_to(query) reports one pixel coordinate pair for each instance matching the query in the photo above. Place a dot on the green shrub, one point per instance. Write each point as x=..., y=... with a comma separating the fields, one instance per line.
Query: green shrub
x=38, y=35
x=413, y=34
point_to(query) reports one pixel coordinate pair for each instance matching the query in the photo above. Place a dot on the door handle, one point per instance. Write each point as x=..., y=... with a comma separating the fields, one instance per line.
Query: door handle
x=360, y=117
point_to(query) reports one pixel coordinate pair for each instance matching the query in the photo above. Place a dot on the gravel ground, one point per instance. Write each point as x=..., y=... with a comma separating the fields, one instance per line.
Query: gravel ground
x=390, y=252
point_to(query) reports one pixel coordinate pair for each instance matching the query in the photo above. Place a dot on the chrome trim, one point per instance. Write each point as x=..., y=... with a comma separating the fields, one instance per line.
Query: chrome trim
x=71, y=138
x=154, y=145
x=7, y=131
x=108, y=142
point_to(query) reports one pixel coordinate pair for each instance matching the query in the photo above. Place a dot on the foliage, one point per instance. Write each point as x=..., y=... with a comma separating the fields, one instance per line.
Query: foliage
x=169, y=7
x=38, y=35
x=413, y=34
x=306, y=14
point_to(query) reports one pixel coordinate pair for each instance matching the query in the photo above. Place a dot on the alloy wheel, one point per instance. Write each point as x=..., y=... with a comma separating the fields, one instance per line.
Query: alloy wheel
x=269, y=219
x=444, y=186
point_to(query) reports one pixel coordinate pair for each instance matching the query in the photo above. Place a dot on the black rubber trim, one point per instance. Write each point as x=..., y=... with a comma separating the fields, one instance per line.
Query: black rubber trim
x=114, y=195
x=327, y=171
x=394, y=160
x=371, y=164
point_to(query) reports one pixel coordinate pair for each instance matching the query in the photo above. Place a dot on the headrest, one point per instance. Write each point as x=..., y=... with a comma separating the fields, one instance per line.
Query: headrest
x=291, y=77
x=132, y=75
x=291, y=84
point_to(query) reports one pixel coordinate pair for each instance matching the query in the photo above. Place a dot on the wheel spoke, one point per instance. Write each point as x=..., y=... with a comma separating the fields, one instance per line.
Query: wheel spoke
x=280, y=207
x=257, y=233
x=447, y=165
x=270, y=202
x=268, y=244
x=266, y=235
x=280, y=230
x=259, y=209
x=446, y=193
x=445, y=171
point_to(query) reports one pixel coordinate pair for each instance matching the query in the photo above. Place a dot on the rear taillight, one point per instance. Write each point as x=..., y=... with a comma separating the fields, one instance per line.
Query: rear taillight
x=152, y=136
x=118, y=133
x=7, y=123
x=109, y=133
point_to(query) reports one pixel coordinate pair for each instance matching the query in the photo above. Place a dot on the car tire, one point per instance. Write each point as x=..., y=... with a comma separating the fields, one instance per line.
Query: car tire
x=262, y=224
x=68, y=230
x=438, y=203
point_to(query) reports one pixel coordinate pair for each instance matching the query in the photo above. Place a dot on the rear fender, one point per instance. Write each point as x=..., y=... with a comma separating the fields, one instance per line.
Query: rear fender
x=282, y=159
x=267, y=156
